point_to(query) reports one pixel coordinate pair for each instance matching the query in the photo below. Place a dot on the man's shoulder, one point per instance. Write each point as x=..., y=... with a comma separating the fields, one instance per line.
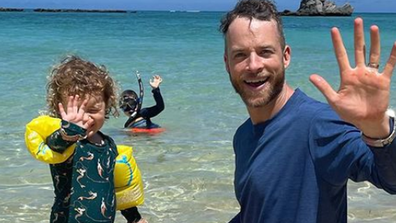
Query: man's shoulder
x=245, y=127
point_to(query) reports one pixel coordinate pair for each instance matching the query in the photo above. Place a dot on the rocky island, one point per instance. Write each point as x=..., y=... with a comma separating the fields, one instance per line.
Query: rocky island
x=80, y=10
x=320, y=8
x=10, y=10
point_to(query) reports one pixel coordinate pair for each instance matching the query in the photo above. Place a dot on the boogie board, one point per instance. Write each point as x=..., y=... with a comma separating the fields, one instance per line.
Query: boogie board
x=145, y=130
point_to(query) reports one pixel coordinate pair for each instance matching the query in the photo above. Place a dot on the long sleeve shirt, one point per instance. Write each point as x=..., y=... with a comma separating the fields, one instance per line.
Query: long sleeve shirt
x=83, y=184
x=295, y=167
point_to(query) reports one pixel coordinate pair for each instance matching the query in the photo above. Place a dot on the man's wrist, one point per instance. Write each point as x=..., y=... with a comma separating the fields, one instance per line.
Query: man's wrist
x=375, y=142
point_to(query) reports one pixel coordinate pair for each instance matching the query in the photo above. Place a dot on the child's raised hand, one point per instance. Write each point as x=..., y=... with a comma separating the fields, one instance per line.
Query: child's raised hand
x=155, y=81
x=75, y=112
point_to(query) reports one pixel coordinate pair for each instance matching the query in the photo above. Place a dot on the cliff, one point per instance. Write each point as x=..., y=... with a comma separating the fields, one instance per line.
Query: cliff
x=320, y=8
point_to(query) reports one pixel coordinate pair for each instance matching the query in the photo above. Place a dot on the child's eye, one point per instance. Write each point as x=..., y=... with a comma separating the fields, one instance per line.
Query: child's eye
x=93, y=110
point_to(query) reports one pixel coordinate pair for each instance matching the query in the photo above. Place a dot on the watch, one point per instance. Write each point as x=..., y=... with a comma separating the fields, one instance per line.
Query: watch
x=383, y=142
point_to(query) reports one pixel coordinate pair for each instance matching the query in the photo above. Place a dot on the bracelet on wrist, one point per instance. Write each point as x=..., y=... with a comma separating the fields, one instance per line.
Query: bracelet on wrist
x=386, y=141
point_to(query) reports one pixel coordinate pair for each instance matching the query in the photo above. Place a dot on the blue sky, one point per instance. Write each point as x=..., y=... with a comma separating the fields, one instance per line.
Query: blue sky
x=203, y=5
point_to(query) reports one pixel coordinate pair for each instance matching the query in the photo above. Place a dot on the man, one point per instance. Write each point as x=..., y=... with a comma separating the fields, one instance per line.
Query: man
x=294, y=155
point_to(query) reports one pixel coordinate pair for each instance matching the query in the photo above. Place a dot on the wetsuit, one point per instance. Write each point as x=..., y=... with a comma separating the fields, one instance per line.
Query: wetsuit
x=84, y=184
x=147, y=113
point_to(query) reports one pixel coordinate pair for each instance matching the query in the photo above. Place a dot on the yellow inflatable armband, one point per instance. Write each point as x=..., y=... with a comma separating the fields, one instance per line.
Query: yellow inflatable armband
x=37, y=132
x=127, y=178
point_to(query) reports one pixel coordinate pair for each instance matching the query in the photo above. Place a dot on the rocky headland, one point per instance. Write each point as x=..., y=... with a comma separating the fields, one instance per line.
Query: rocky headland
x=3, y=9
x=320, y=8
x=80, y=10
x=10, y=10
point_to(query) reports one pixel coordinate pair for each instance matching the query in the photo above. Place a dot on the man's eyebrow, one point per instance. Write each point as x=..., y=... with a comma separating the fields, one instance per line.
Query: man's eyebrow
x=241, y=49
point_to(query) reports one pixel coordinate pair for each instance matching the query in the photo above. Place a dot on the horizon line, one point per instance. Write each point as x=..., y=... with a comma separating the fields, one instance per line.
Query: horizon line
x=147, y=10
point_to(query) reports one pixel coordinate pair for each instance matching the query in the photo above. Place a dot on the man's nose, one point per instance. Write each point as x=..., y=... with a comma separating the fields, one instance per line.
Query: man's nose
x=255, y=63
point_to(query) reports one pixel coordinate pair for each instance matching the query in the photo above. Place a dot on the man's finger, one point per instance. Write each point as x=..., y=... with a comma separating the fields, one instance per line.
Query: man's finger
x=375, y=46
x=360, y=48
x=339, y=50
x=324, y=87
x=390, y=64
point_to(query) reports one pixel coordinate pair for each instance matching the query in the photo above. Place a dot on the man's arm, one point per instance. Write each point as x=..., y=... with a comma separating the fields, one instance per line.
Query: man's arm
x=236, y=219
x=363, y=96
x=362, y=100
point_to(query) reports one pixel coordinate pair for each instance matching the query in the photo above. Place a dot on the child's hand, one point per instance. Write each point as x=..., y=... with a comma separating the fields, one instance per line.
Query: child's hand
x=75, y=112
x=155, y=81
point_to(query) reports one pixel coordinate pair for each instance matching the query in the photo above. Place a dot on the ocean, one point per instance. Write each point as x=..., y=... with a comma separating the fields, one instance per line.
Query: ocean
x=188, y=169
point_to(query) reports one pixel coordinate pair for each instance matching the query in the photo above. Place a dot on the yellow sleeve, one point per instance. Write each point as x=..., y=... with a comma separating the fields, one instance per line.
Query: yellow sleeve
x=127, y=179
x=37, y=132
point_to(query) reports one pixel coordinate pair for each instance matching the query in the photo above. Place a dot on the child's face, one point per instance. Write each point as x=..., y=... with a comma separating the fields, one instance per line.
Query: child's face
x=96, y=110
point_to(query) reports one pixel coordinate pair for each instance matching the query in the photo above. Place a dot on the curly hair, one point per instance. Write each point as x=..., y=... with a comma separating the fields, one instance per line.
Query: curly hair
x=75, y=76
x=264, y=10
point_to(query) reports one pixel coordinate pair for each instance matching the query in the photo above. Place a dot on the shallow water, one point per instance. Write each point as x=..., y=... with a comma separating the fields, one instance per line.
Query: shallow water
x=188, y=169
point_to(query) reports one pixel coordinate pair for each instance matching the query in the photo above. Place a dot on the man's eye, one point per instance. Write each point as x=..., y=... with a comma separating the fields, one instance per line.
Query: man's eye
x=266, y=53
x=239, y=55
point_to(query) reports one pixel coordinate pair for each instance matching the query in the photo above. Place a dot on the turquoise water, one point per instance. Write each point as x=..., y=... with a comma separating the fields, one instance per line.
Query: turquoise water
x=188, y=169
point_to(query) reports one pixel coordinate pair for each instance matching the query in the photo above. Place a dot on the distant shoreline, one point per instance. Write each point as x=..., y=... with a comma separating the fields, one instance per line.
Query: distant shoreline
x=7, y=9
x=11, y=9
x=66, y=10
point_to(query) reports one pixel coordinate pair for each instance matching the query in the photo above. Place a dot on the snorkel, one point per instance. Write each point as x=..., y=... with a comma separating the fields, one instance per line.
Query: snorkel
x=141, y=94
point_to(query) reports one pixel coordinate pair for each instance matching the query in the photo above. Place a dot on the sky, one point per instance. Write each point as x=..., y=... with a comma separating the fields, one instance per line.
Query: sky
x=201, y=5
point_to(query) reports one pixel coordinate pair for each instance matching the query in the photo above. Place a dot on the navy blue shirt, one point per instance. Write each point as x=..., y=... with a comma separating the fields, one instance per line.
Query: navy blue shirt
x=295, y=166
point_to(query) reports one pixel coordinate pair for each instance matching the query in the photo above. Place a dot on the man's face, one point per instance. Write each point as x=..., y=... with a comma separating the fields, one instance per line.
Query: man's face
x=255, y=60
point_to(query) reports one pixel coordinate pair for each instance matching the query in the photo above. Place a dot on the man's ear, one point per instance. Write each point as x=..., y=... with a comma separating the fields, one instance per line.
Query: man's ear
x=286, y=56
x=226, y=62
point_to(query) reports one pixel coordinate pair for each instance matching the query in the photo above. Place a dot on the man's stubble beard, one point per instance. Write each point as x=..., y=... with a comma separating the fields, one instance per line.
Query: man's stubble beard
x=265, y=96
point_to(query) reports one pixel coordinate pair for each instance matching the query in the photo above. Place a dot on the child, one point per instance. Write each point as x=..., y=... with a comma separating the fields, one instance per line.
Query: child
x=131, y=106
x=83, y=159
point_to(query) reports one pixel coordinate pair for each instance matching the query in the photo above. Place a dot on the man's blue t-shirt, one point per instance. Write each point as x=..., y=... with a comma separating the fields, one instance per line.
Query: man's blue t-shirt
x=295, y=166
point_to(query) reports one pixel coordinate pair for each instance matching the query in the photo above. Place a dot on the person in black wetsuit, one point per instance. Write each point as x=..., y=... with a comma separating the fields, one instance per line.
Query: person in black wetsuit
x=131, y=104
